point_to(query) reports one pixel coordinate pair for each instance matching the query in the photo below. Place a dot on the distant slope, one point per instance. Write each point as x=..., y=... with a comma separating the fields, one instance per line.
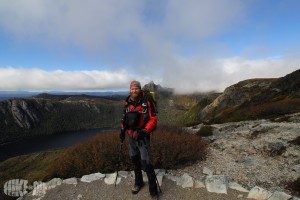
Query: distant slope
x=48, y=114
x=255, y=98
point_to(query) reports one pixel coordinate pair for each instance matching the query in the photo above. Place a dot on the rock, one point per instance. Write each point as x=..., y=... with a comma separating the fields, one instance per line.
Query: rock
x=217, y=184
x=160, y=171
x=280, y=196
x=159, y=179
x=124, y=174
x=70, y=181
x=296, y=168
x=199, y=182
x=53, y=183
x=258, y=193
x=112, y=179
x=207, y=171
x=92, y=177
x=274, y=149
x=79, y=197
x=40, y=190
x=235, y=186
x=173, y=178
x=187, y=181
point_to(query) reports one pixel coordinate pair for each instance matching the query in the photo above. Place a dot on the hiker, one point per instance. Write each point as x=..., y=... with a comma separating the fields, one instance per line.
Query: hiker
x=139, y=120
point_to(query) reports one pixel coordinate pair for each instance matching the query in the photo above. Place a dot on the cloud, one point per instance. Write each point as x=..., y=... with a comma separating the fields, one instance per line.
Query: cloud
x=186, y=76
x=194, y=75
x=103, y=28
x=175, y=43
x=37, y=79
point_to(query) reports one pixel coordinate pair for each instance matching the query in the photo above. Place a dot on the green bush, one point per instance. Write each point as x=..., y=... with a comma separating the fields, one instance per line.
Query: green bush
x=205, y=131
x=170, y=148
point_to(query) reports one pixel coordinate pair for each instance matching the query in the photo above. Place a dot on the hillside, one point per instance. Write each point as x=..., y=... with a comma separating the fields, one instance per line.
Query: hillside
x=255, y=99
x=47, y=114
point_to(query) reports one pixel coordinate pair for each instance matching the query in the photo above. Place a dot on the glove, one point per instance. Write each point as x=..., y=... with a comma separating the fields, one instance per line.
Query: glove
x=122, y=135
x=141, y=134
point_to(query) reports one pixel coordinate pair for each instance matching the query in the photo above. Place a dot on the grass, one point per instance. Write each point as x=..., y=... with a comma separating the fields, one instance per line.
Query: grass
x=191, y=117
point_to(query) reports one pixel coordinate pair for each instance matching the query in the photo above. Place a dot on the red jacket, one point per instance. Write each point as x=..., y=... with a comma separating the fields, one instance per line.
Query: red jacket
x=148, y=114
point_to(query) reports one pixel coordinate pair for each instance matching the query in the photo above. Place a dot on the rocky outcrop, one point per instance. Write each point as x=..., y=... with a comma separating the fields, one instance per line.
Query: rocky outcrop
x=255, y=98
x=253, y=153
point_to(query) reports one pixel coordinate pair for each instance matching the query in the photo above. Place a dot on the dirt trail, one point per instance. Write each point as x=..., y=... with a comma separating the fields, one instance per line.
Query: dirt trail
x=100, y=190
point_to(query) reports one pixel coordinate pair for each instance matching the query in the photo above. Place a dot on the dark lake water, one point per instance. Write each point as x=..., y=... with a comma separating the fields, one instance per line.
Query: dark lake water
x=46, y=142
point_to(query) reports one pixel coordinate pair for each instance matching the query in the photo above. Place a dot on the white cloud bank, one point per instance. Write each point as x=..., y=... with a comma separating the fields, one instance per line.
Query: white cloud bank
x=37, y=79
x=186, y=77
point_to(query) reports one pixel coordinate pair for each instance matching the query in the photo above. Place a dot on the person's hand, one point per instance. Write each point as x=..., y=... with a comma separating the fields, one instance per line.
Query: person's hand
x=141, y=134
x=122, y=135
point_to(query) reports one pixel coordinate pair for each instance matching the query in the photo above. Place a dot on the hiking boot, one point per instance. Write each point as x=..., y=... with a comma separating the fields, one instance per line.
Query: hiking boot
x=136, y=188
x=154, y=195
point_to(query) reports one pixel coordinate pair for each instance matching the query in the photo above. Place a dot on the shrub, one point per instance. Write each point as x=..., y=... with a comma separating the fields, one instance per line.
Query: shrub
x=294, y=186
x=296, y=141
x=170, y=149
x=205, y=131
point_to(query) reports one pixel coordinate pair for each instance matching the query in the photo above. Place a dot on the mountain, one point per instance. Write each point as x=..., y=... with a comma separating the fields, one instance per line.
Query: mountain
x=255, y=98
x=47, y=114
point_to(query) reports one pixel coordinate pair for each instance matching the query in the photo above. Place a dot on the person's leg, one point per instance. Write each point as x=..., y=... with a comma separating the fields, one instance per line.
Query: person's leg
x=145, y=151
x=135, y=158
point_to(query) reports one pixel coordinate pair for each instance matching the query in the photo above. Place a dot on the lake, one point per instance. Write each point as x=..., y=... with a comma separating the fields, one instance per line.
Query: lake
x=46, y=142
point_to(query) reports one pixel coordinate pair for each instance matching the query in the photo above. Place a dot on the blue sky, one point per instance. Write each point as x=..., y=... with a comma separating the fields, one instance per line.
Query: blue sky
x=190, y=45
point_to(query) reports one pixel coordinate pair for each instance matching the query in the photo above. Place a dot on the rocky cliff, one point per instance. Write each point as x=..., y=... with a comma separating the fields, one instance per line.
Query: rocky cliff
x=255, y=98
x=48, y=114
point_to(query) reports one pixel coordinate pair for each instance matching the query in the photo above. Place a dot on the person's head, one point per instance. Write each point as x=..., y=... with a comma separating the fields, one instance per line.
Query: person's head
x=135, y=89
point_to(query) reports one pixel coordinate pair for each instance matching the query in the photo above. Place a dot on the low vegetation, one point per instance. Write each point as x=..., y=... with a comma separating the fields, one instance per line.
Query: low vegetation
x=296, y=141
x=170, y=149
x=32, y=167
x=294, y=187
x=205, y=131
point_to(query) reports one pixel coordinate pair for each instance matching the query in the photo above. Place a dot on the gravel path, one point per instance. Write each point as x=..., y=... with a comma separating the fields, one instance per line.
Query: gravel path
x=100, y=190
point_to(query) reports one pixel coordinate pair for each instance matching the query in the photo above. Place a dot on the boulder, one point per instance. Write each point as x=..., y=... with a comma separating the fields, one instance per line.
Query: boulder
x=187, y=181
x=235, y=186
x=216, y=183
x=124, y=174
x=199, y=182
x=112, y=179
x=92, y=177
x=40, y=190
x=207, y=171
x=259, y=193
x=53, y=183
x=70, y=181
x=280, y=196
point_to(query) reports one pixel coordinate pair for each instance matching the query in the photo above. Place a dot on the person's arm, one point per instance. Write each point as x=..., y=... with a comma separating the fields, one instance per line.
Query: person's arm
x=152, y=112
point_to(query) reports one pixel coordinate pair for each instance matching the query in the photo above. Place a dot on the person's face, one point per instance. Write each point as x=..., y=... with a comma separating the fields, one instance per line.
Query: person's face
x=134, y=92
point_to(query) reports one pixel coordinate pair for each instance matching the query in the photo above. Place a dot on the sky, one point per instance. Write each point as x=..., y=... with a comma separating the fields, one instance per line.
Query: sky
x=101, y=45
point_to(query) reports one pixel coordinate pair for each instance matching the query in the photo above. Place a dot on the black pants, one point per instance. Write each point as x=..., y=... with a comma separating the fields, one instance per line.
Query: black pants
x=140, y=154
